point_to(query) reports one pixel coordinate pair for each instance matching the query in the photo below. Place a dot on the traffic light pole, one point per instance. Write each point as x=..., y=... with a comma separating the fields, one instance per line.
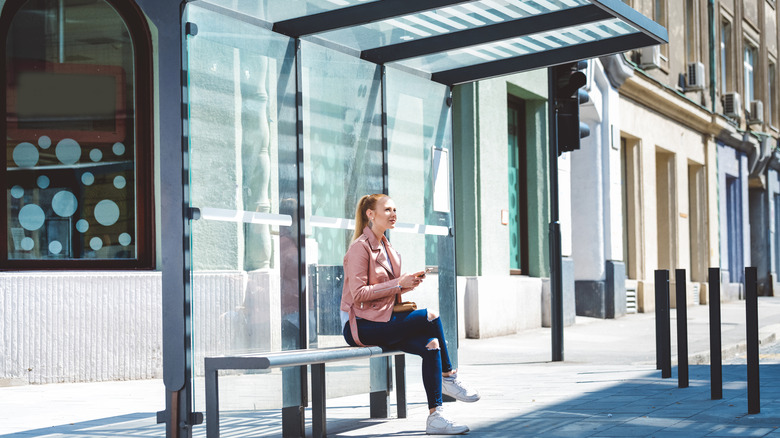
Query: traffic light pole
x=556, y=289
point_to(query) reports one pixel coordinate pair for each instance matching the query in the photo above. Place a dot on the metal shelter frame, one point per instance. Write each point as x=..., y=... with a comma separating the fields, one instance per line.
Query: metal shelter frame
x=564, y=33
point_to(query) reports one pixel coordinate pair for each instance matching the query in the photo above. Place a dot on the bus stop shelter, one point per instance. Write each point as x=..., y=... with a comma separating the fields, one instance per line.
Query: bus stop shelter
x=307, y=48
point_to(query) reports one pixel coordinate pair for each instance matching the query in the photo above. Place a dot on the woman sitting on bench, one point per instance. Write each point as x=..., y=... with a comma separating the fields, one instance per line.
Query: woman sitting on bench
x=373, y=284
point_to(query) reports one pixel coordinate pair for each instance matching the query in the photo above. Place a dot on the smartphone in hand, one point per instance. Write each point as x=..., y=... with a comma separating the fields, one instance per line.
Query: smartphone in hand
x=424, y=273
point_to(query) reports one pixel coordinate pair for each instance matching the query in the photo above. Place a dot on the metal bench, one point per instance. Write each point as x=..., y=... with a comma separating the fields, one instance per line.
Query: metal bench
x=316, y=358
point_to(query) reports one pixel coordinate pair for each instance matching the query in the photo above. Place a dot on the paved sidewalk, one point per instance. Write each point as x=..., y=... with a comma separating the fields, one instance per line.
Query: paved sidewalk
x=606, y=387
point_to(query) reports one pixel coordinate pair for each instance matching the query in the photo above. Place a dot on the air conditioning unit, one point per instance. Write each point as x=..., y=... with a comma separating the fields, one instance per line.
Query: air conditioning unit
x=732, y=105
x=695, y=76
x=650, y=57
x=756, y=114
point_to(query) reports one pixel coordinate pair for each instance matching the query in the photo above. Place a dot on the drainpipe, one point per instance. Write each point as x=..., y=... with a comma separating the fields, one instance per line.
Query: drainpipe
x=713, y=73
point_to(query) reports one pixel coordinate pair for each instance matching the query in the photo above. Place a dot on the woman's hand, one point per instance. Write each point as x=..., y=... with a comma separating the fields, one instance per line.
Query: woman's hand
x=410, y=281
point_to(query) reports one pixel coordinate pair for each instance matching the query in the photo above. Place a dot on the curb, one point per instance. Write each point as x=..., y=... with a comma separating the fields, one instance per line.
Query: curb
x=766, y=336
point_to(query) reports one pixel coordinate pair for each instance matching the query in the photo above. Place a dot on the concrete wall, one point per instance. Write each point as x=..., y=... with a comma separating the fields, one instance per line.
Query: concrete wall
x=664, y=239
x=500, y=305
x=80, y=327
x=101, y=326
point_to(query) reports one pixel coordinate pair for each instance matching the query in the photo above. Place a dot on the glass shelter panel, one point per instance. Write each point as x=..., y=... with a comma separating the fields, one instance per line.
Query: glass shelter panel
x=70, y=134
x=242, y=149
x=419, y=138
x=343, y=160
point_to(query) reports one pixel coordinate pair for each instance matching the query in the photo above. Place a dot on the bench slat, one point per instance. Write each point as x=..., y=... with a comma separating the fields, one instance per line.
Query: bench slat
x=293, y=358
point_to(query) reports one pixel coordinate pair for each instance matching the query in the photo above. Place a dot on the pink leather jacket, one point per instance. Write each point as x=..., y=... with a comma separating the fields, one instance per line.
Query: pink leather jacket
x=370, y=285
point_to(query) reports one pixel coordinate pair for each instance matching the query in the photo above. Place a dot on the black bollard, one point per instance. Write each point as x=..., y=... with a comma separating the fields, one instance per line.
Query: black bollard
x=663, y=334
x=751, y=328
x=682, y=328
x=716, y=361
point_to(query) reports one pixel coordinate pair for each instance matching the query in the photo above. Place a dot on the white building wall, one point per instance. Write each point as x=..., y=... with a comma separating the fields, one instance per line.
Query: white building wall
x=590, y=182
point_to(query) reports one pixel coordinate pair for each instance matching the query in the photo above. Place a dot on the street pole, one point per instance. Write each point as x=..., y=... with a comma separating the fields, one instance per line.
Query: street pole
x=556, y=290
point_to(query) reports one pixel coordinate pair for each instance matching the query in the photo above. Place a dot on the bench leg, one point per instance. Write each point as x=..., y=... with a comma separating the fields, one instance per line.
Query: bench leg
x=318, y=427
x=212, y=403
x=381, y=380
x=400, y=384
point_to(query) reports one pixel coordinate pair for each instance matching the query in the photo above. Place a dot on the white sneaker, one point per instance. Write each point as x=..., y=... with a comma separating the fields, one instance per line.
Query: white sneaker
x=438, y=424
x=453, y=387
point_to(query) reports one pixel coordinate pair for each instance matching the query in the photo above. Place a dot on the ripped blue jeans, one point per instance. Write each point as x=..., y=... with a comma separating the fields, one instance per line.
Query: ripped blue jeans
x=410, y=332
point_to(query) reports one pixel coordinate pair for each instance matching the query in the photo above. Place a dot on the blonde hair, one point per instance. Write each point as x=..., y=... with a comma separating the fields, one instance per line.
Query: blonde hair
x=367, y=202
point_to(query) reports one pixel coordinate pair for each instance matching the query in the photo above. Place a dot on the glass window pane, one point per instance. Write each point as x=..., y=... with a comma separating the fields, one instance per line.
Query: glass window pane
x=749, y=68
x=726, y=61
x=772, y=88
x=70, y=127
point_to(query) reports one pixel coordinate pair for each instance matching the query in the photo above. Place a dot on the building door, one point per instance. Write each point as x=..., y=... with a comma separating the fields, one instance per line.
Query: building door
x=665, y=210
x=518, y=198
x=776, y=252
x=632, y=206
x=697, y=222
x=734, y=229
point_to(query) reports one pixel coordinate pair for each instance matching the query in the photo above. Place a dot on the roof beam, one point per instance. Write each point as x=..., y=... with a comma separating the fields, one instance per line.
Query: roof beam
x=356, y=15
x=486, y=34
x=621, y=10
x=593, y=49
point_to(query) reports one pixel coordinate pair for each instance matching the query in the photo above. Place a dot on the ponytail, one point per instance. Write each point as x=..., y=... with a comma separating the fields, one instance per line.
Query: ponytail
x=367, y=202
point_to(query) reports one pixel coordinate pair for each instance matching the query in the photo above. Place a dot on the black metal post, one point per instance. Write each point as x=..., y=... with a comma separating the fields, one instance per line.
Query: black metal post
x=556, y=277
x=663, y=334
x=751, y=328
x=681, y=298
x=716, y=365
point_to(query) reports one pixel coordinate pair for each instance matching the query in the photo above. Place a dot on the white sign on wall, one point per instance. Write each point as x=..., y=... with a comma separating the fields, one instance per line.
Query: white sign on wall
x=441, y=180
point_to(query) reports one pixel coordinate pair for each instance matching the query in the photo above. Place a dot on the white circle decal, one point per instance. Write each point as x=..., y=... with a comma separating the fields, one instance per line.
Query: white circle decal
x=106, y=212
x=64, y=203
x=82, y=225
x=55, y=247
x=25, y=155
x=95, y=243
x=44, y=142
x=95, y=155
x=28, y=243
x=17, y=192
x=68, y=151
x=43, y=181
x=118, y=148
x=87, y=178
x=125, y=239
x=120, y=182
x=31, y=217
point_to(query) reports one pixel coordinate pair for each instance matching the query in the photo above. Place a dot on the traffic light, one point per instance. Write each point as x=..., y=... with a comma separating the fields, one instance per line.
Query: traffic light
x=567, y=81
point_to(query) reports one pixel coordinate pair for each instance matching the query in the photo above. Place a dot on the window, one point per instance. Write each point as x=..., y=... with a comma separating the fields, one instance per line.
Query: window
x=749, y=65
x=78, y=136
x=659, y=16
x=726, y=58
x=690, y=31
x=772, y=103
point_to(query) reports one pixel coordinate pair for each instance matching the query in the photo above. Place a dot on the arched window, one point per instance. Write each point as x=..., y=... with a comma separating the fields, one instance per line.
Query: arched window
x=77, y=123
